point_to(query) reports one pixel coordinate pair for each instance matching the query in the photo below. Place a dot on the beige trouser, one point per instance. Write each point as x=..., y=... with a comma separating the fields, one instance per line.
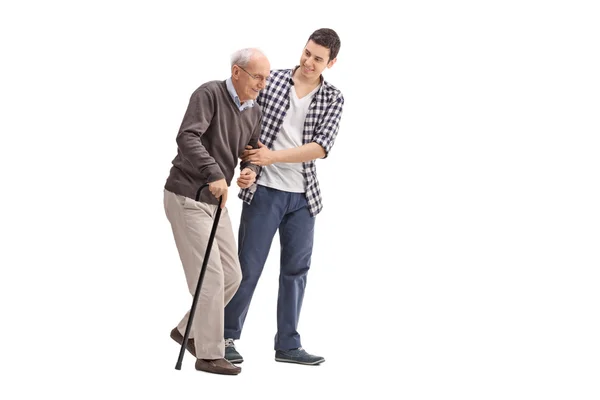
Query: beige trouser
x=192, y=222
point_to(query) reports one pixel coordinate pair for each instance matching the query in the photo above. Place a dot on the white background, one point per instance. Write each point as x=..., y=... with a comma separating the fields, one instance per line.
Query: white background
x=456, y=257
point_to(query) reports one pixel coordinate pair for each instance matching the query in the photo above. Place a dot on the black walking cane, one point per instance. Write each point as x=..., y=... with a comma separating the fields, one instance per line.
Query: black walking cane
x=200, y=279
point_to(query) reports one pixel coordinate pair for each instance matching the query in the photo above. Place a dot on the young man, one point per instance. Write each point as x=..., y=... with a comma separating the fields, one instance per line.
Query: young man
x=220, y=121
x=301, y=116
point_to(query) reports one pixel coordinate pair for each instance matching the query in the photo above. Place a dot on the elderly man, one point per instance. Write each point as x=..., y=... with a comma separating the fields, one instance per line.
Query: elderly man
x=221, y=120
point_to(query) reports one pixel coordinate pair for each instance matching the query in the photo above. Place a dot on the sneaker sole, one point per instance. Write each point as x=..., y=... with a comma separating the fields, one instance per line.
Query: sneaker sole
x=236, y=361
x=299, y=362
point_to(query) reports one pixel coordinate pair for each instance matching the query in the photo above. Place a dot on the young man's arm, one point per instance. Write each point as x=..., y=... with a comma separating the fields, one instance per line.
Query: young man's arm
x=323, y=141
x=327, y=131
x=307, y=152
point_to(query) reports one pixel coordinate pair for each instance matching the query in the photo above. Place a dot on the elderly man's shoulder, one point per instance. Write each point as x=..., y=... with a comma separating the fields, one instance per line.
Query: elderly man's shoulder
x=211, y=87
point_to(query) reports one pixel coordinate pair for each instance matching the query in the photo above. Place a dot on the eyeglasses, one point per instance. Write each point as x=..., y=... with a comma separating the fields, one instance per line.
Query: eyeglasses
x=259, y=78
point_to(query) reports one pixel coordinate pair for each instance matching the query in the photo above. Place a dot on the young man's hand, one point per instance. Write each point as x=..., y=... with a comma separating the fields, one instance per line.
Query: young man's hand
x=246, y=178
x=261, y=156
x=218, y=189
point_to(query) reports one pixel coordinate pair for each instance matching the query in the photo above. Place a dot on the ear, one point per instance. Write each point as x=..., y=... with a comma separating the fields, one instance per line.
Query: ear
x=330, y=63
x=235, y=72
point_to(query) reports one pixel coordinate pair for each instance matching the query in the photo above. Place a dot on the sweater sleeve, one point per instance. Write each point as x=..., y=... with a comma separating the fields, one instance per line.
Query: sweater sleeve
x=254, y=143
x=196, y=121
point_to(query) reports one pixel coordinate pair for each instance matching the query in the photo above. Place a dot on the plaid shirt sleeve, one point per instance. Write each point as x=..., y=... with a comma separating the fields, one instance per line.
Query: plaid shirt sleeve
x=326, y=132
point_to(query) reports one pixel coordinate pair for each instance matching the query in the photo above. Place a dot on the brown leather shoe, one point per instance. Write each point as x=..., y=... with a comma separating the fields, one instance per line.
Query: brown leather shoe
x=219, y=366
x=178, y=337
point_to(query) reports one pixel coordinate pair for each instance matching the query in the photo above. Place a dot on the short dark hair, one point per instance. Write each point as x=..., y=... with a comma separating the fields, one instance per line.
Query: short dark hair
x=327, y=38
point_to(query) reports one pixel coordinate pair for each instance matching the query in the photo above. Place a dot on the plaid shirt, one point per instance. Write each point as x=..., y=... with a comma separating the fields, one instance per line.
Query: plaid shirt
x=321, y=126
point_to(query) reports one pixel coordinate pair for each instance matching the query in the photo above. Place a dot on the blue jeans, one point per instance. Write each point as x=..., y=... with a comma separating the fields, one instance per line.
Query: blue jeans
x=269, y=211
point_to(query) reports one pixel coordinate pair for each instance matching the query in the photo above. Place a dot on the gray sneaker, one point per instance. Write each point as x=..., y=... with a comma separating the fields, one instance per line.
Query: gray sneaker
x=231, y=353
x=298, y=356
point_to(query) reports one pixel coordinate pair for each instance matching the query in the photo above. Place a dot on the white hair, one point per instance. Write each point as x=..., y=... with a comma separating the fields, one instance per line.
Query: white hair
x=242, y=57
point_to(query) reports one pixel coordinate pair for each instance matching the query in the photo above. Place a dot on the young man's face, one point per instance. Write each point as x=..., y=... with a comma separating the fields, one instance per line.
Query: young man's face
x=250, y=80
x=314, y=59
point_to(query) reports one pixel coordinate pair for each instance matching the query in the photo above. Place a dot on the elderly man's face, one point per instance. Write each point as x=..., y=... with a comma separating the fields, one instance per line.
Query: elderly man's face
x=251, y=79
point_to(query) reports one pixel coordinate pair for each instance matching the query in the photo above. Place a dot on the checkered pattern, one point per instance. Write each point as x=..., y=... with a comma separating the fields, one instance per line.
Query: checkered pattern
x=320, y=126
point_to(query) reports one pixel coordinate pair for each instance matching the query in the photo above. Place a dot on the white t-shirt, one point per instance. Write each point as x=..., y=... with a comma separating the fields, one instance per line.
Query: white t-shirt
x=288, y=176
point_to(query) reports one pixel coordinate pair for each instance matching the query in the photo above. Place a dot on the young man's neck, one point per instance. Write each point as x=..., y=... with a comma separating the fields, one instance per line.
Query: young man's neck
x=300, y=79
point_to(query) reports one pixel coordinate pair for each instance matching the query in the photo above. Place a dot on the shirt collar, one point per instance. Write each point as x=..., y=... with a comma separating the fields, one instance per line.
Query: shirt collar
x=236, y=98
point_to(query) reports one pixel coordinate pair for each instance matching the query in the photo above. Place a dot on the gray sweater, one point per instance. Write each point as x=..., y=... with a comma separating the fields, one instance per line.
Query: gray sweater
x=212, y=137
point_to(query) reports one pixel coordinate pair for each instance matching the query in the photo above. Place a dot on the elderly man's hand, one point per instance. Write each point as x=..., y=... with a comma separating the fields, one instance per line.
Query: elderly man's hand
x=246, y=178
x=219, y=189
